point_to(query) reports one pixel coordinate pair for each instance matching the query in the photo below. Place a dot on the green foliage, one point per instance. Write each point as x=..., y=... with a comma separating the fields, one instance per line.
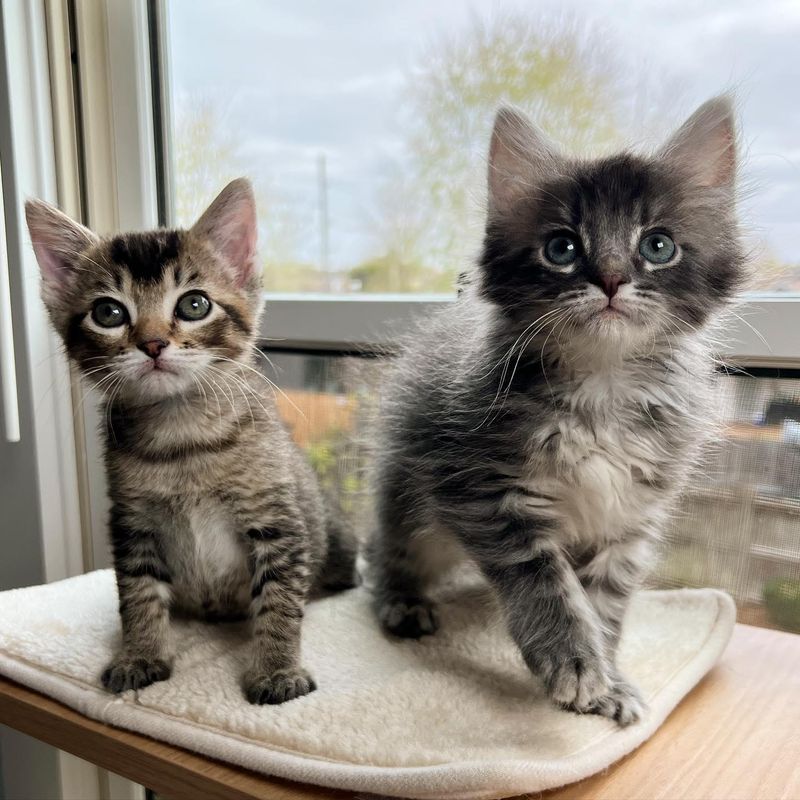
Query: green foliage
x=322, y=457
x=341, y=476
x=782, y=599
x=395, y=273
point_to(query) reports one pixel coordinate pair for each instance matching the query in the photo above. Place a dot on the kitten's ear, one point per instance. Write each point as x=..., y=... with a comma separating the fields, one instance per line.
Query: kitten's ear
x=519, y=154
x=57, y=241
x=229, y=224
x=705, y=145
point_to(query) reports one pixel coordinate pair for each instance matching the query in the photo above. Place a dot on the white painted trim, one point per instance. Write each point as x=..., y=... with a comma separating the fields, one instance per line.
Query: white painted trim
x=131, y=113
x=119, y=156
x=79, y=778
x=765, y=330
x=34, y=168
x=68, y=181
x=346, y=322
x=120, y=189
x=8, y=362
x=114, y=66
x=115, y=787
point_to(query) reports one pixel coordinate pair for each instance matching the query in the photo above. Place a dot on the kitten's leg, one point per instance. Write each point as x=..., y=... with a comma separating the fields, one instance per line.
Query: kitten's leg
x=554, y=625
x=609, y=580
x=143, y=582
x=339, y=570
x=279, y=586
x=548, y=613
x=402, y=561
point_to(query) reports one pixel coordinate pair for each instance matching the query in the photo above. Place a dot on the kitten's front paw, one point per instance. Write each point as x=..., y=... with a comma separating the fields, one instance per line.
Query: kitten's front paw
x=127, y=672
x=278, y=687
x=408, y=618
x=578, y=682
x=623, y=704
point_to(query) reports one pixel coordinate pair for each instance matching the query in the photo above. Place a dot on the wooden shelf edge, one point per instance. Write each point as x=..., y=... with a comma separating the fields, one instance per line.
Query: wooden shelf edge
x=170, y=771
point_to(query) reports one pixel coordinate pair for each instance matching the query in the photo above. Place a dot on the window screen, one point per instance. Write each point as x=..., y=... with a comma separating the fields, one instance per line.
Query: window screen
x=737, y=527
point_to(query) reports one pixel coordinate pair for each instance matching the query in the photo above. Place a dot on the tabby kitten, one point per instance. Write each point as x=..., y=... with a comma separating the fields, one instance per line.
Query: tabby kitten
x=544, y=423
x=215, y=512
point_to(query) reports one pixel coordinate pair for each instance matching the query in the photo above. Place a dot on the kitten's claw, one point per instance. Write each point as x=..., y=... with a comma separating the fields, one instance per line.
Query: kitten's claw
x=623, y=704
x=277, y=687
x=134, y=673
x=408, y=618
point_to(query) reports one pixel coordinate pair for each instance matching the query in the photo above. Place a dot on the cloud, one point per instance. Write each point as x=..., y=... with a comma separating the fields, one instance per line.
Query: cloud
x=309, y=77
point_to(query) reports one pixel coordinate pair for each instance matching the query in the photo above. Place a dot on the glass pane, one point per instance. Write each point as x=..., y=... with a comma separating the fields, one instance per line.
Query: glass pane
x=364, y=125
x=737, y=529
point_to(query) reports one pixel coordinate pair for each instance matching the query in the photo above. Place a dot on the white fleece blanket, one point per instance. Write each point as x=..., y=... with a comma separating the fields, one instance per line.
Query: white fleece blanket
x=455, y=715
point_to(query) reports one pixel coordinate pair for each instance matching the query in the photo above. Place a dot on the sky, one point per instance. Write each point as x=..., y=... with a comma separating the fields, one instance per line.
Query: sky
x=296, y=80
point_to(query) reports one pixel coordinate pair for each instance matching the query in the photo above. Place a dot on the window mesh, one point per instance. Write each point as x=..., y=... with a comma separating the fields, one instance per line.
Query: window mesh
x=737, y=526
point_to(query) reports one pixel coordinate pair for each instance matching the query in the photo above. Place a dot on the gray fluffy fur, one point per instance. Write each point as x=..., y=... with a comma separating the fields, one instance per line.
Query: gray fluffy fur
x=542, y=428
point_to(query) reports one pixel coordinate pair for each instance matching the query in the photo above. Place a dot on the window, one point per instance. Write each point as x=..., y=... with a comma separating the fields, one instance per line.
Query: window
x=298, y=85
x=365, y=135
x=736, y=527
x=364, y=126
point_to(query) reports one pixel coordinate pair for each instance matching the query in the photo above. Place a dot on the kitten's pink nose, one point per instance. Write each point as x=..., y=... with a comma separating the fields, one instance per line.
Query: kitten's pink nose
x=611, y=283
x=152, y=347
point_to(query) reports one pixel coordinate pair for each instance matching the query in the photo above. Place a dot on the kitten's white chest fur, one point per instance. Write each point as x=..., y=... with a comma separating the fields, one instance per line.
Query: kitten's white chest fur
x=600, y=467
x=216, y=546
x=599, y=496
x=208, y=558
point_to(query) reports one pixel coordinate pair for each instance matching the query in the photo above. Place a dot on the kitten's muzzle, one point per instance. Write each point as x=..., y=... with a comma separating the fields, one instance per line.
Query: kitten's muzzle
x=152, y=347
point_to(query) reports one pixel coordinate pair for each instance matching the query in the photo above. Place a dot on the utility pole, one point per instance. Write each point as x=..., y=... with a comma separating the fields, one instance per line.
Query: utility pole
x=324, y=221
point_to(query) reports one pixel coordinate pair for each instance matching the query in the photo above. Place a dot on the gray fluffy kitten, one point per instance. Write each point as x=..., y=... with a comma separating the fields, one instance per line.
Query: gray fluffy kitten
x=215, y=512
x=543, y=425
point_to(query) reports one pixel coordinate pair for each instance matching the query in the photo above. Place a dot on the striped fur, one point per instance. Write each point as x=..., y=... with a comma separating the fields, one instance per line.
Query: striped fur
x=216, y=513
x=543, y=431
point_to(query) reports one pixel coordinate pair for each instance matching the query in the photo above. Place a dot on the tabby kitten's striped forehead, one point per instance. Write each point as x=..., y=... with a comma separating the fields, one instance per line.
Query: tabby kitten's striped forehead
x=149, y=315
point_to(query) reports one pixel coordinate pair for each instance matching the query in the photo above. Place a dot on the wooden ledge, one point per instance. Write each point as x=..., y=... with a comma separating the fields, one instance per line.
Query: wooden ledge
x=737, y=735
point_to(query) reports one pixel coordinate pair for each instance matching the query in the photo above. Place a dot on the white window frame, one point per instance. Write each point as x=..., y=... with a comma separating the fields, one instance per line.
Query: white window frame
x=761, y=331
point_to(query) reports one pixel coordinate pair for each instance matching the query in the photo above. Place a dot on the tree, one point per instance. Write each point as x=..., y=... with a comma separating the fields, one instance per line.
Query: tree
x=556, y=71
x=770, y=274
x=205, y=158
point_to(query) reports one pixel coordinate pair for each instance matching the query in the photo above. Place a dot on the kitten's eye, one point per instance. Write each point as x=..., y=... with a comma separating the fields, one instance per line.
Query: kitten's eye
x=108, y=313
x=562, y=250
x=657, y=248
x=193, y=306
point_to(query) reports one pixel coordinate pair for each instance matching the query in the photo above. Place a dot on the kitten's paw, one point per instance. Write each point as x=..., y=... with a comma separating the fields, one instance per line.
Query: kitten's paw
x=623, y=704
x=278, y=687
x=578, y=682
x=127, y=672
x=408, y=618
